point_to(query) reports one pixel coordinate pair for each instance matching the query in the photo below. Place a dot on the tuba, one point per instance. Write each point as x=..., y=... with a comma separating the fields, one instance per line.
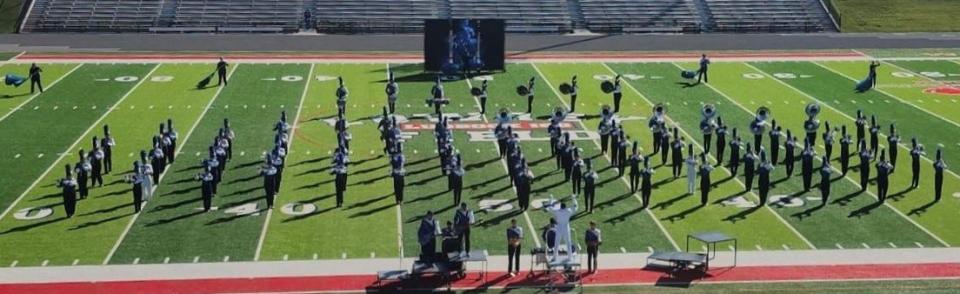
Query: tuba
x=659, y=111
x=812, y=123
x=759, y=123
x=708, y=124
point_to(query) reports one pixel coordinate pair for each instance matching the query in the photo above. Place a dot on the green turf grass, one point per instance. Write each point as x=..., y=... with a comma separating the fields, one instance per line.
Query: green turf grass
x=75, y=103
x=940, y=70
x=918, y=203
x=367, y=222
x=11, y=97
x=174, y=225
x=897, y=15
x=680, y=213
x=873, y=225
x=102, y=217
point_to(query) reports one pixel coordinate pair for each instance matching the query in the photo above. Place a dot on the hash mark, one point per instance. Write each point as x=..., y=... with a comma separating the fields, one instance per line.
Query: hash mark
x=838, y=246
x=166, y=259
x=136, y=260
x=75, y=262
x=785, y=247
x=892, y=245
x=196, y=259
x=45, y=262
x=865, y=245
x=226, y=258
x=918, y=244
x=14, y=263
x=285, y=257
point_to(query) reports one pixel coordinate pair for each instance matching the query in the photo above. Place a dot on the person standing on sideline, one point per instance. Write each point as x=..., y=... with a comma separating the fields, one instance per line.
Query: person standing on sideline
x=593, y=238
x=462, y=220
x=915, y=152
x=222, y=72
x=35, y=80
x=68, y=186
x=691, y=162
x=427, y=236
x=514, y=238
x=702, y=72
x=938, y=166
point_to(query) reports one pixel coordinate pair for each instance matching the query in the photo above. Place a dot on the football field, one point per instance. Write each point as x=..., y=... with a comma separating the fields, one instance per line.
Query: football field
x=43, y=132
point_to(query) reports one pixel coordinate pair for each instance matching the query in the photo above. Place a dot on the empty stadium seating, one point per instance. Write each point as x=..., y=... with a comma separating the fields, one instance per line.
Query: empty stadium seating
x=767, y=16
x=93, y=15
x=548, y=16
x=406, y=16
x=376, y=16
x=640, y=16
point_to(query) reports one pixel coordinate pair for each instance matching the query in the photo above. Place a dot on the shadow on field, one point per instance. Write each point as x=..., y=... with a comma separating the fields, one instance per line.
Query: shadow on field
x=623, y=217
x=174, y=205
x=25, y=228
x=683, y=214
x=742, y=215
x=15, y=96
x=372, y=211
x=922, y=209
x=863, y=211
x=115, y=208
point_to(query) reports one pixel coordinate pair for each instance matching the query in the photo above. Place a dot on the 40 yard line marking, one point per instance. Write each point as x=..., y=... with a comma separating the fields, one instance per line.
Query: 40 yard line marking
x=180, y=146
x=564, y=102
x=526, y=216
x=75, y=143
x=848, y=177
x=38, y=94
x=293, y=130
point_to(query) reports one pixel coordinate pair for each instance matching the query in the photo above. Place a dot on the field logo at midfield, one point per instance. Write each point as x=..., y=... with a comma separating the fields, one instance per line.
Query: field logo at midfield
x=947, y=90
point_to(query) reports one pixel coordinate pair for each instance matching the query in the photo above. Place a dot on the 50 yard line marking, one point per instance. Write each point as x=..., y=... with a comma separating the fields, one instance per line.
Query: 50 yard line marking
x=296, y=123
x=559, y=97
x=126, y=230
x=934, y=236
x=74, y=145
x=38, y=94
x=526, y=216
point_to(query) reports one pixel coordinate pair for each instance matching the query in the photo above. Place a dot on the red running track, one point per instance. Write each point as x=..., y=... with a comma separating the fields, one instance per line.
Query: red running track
x=498, y=279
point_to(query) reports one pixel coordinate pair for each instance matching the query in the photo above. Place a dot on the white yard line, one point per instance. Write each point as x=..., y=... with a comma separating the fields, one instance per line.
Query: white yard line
x=75, y=143
x=38, y=94
x=584, y=126
x=848, y=177
x=296, y=123
x=526, y=216
x=126, y=230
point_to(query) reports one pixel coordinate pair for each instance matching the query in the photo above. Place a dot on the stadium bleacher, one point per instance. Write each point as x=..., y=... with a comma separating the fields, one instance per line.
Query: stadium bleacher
x=406, y=16
x=626, y=16
x=376, y=16
x=93, y=15
x=768, y=16
x=541, y=16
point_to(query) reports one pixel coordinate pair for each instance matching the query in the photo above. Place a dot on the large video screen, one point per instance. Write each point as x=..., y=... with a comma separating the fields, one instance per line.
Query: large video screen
x=463, y=45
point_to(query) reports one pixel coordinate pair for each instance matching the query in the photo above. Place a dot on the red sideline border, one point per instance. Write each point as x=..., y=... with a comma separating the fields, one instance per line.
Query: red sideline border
x=405, y=56
x=752, y=274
